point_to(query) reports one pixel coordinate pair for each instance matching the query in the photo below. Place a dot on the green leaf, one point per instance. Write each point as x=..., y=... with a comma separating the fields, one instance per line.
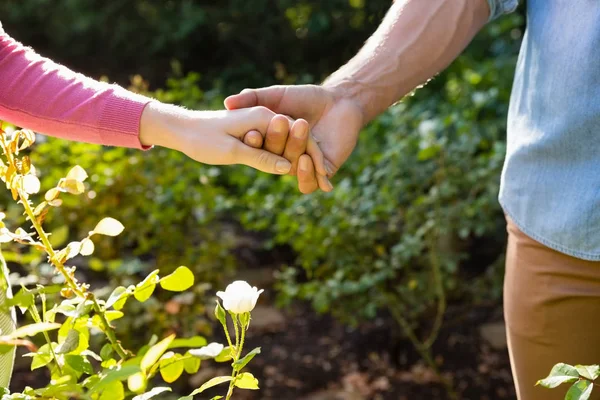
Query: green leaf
x=213, y=382
x=24, y=299
x=244, y=320
x=191, y=365
x=150, y=394
x=137, y=382
x=581, y=390
x=224, y=355
x=113, y=391
x=195, y=341
x=115, y=296
x=71, y=343
x=42, y=357
x=33, y=329
x=145, y=288
x=220, y=314
x=171, y=368
x=588, y=371
x=561, y=373
x=181, y=279
x=79, y=363
x=109, y=227
x=242, y=362
x=116, y=374
x=246, y=381
x=217, y=398
x=106, y=352
x=155, y=352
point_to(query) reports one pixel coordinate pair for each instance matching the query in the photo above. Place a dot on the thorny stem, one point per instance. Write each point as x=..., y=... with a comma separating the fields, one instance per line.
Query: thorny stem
x=110, y=332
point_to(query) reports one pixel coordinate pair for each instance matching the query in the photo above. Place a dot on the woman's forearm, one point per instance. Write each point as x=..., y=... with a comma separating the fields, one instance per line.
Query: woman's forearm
x=39, y=94
x=417, y=39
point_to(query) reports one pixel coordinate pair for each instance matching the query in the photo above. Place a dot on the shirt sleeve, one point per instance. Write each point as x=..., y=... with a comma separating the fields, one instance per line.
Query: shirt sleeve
x=39, y=94
x=500, y=7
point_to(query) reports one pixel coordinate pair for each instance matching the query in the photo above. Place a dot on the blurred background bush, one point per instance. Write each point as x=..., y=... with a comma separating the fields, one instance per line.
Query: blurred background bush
x=414, y=218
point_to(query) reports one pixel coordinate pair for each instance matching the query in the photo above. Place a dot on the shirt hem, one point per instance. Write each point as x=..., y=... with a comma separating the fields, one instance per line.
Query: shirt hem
x=549, y=243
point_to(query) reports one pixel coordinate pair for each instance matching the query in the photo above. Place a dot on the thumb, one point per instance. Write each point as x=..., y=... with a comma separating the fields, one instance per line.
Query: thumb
x=262, y=160
x=269, y=97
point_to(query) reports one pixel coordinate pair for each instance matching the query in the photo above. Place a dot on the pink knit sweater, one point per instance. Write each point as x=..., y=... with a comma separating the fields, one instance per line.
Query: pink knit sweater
x=38, y=94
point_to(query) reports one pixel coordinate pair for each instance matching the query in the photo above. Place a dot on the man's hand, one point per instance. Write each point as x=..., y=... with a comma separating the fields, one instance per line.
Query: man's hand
x=334, y=120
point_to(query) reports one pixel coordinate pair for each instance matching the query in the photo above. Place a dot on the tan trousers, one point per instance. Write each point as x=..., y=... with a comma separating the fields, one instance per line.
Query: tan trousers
x=552, y=313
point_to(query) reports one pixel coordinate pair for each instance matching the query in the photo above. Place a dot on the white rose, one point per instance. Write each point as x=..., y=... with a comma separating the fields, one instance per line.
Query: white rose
x=239, y=297
x=210, y=351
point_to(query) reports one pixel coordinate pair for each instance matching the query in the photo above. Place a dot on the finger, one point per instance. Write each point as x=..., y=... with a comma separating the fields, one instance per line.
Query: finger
x=315, y=152
x=296, y=143
x=269, y=97
x=324, y=183
x=239, y=122
x=307, y=181
x=261, y=159
x=277, y=134
x=253, y=139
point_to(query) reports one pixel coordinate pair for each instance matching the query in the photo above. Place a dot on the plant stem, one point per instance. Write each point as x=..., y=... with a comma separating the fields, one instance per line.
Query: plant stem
x=110, y=333
x=36, y=317
x=239, y=344
x=226, y=329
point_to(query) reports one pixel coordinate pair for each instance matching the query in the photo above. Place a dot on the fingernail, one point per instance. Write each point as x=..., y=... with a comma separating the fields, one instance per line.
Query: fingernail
x=283, y=166
x=328, y=169
x=328, y=183
x=304, y=164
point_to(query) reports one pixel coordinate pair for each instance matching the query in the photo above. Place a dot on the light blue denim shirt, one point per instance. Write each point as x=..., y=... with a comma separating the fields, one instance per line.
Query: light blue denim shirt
x=551, y=179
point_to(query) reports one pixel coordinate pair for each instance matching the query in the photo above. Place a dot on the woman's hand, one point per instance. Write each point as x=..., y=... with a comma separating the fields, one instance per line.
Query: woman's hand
x=217, y=137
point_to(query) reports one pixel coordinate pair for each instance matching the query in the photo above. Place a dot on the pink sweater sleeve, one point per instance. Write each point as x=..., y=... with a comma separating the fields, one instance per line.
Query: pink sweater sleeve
x=38, y=94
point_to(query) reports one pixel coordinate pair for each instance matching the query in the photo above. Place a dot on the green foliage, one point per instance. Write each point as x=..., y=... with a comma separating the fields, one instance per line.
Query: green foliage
x=68, y=319
x=236, y=42
x=582, y=377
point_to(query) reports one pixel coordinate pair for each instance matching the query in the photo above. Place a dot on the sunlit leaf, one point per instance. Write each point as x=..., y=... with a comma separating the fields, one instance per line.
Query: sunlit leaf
x=560, y=373
x=191, y=365
x=152, y=393
x=211, y=383
x=137, y=382
x=51, y=194
x=588, y=371
x=109, y=227
x=72, y=186
x=115, y=296
x=195, y=341
x=181, y=279
x=242, y=362
x=31, y=184
x=246, y=380
x=87, y=247
x=145, y=288
x=77, y=173
x=155, y=352
x=171, y=367
x=33, y=329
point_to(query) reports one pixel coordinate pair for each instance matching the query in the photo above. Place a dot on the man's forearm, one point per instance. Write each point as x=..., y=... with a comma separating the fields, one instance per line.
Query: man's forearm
x=416, y=40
